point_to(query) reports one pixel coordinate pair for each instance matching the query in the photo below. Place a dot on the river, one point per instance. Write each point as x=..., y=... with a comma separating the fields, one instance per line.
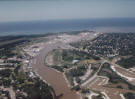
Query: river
x=54, y=78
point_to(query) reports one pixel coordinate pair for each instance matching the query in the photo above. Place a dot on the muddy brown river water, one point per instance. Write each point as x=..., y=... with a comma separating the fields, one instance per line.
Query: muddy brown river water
x=54, y=78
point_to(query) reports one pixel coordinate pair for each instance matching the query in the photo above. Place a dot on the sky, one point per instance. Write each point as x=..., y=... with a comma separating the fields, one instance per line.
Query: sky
x=29, y=10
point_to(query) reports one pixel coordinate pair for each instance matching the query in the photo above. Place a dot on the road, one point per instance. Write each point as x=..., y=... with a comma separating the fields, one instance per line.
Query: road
x=122, y=71
x=113, y=93
x=91, y=79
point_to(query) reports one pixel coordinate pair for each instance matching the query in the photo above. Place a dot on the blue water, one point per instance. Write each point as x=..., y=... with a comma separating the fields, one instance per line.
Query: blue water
x=41, y=27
